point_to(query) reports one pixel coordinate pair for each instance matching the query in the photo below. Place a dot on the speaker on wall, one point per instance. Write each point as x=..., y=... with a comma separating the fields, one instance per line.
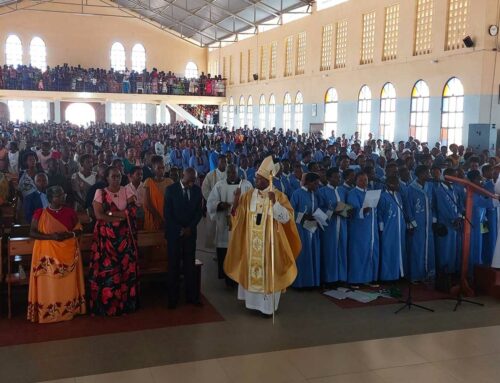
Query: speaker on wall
x=255, y=76
x=469, y=43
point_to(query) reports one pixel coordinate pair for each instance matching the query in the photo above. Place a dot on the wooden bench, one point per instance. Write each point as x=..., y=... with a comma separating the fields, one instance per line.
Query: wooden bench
x=22, y=247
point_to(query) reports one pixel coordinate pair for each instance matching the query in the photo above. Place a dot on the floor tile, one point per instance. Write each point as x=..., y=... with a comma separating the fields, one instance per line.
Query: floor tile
x=444, y=346
x=269, y=367
x=419, y=373
x=316, y=362
x=385, y=353
x=132, y=376
x=208, y=371
x=363, y=377
x=480, y=369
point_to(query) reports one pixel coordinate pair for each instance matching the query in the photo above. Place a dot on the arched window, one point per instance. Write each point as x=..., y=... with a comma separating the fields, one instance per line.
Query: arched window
x=16, y=110
x=299, y=112
x=224, y=114
x=191, y=70
x=262, y=112
x=117, y=57
x=242, y=112
x=331, y=110
x=250, y=112
x=38, y=53
x=419, y=114
x=117, y=113
x=139, y=113
x=287, y=112
x=388, y=112
x=230, y=121
x=364, y=112
x=452, y=119
x=39, y=111
x=80, y=114
x=13, y=51
x=272, y=112
x=138, y=58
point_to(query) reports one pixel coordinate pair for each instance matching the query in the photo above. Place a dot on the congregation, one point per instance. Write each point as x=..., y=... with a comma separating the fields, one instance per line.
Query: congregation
x=68, y=78
x=163, y=177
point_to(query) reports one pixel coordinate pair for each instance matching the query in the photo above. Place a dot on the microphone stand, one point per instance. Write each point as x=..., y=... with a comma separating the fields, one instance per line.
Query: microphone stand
x=408, y=303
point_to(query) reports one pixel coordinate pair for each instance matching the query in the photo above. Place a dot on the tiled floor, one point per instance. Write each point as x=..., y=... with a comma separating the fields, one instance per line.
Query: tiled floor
x=461, y=356
x=313, y=340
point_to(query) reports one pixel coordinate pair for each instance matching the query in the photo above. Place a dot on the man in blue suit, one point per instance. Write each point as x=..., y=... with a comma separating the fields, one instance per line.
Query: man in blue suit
x=37, y=199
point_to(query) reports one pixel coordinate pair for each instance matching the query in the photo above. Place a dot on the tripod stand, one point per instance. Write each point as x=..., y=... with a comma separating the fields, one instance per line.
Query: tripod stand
x=408, y=303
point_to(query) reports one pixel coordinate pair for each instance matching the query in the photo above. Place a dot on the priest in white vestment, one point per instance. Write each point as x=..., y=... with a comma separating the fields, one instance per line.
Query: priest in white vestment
x=208, y=184
x=219, y=205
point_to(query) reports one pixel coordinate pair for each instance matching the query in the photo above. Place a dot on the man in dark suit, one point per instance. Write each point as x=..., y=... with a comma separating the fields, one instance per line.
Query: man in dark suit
x=37, y=199
x=182, y=212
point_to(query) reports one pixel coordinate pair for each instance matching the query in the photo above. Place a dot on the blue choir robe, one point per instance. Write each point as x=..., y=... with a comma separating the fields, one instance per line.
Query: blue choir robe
x=200, y=165
x=214, y=159
x=308, y=262
x=187, y=153
x=447, y=211
x=319, y=155
x=334, y=237
x=247, y=174
x=490, y=238
x=278, y=184
x=304, y=167
x=227, y=147
x=392, y=228
x=346, y=188
x=363, y=248
x=294, y=184
x=479, y=206
x=421, y=262
x=285, y=179
x=176, y=158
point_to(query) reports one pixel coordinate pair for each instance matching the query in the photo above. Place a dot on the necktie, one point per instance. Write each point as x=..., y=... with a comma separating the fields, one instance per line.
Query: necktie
x=186, y=194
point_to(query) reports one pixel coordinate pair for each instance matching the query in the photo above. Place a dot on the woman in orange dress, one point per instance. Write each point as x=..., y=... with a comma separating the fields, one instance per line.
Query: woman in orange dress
x=154, y=195
x=56, y=289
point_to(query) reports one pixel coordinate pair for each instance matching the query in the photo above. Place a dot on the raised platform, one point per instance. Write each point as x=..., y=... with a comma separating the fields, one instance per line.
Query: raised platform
x=108, y=97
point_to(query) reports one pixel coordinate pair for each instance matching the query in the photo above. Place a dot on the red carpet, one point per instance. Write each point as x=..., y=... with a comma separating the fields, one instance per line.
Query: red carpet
x=420, y=293
x=152, y=314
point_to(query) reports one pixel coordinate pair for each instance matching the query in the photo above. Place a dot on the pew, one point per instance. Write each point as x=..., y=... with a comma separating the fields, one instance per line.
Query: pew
x=22, y=247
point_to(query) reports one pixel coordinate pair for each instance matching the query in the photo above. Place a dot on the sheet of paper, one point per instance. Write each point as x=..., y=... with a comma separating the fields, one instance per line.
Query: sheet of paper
x=311, y=226
x=299, y=218
x=321, y=218
x=329, y=214
x=371, y=198
x=337, y=294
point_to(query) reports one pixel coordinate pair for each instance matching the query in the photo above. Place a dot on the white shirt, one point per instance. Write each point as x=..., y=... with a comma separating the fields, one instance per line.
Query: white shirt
x=139, y=193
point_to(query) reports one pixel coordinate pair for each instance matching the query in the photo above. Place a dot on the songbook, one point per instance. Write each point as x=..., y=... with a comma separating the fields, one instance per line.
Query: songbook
x=321, y=218
x=343, y=209
x=371, y=199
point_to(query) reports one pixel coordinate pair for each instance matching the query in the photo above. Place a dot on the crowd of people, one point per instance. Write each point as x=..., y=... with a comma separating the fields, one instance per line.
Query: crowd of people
x=307, y=193
x=207, y=114
x=67, y=78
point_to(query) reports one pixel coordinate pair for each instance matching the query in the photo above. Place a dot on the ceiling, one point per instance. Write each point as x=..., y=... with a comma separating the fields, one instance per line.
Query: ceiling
x=213, y=21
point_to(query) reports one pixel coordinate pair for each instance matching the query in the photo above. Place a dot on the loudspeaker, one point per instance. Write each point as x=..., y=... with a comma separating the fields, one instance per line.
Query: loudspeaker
x=469, y=43
x=255, y=76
